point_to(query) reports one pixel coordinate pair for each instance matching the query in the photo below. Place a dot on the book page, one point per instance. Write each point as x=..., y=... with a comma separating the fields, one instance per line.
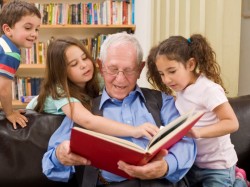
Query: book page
x=165, y=132
x=113, y=139
x=178, y=129
x=168, y=128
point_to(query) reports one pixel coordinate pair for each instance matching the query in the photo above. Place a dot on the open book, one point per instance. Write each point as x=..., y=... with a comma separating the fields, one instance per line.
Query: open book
x=105, y=151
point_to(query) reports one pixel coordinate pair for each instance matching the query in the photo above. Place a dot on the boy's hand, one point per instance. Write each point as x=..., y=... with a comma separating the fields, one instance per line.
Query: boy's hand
x=16, y=117
x=146, y=129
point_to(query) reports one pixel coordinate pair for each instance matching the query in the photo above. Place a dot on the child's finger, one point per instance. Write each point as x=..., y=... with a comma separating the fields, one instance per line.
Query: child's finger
x=22, y=111
x=14, y=125
x=21, y=122
x=24, y=118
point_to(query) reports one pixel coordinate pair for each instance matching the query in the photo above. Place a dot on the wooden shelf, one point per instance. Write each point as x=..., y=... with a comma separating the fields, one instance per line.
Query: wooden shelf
x=31, y=70
x=17, y=104
x=32, y=66
x=132, y=27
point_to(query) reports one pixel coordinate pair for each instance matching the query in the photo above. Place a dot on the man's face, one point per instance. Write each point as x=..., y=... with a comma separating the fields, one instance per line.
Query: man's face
x=120, y=70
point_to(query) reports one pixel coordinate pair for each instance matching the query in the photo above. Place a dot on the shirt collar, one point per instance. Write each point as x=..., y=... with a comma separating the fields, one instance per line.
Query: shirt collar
x=106, y=97
x=13, y=47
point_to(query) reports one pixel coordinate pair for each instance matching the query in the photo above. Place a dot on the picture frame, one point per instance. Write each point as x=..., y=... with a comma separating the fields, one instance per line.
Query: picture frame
x=246, y=8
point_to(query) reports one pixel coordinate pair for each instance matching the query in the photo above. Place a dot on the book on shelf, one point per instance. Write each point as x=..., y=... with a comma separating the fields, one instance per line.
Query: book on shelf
x=27, y=99
x=105, y=12
x=24, y=87
x=105, y=151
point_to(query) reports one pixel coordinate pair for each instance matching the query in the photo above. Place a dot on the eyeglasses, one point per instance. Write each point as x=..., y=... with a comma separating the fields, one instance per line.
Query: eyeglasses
x=114, y=71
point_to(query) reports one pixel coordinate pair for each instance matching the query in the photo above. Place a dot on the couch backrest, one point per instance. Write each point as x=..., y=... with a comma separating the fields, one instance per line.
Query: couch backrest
x=21, y=150
x=241, y=138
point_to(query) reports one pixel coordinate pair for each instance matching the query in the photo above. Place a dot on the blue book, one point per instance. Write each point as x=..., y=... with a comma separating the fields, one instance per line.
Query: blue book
x=133, y=11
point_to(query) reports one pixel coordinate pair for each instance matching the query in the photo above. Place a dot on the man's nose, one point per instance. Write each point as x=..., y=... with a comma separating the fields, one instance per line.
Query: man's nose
x=120, y=75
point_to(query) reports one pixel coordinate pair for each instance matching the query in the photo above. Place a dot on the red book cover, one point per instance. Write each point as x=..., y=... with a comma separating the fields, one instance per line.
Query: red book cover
x=105, y=151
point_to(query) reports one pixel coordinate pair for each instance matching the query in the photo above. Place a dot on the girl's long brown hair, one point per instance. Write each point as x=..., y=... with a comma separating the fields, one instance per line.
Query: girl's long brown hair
x=153, y=75
x=56, y=76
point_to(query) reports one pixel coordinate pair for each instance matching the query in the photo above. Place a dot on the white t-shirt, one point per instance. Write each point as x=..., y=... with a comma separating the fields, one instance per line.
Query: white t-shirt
x=205, y=95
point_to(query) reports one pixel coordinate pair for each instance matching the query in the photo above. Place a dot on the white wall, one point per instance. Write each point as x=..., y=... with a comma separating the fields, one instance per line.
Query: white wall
x=244, y=76
x=143, y=32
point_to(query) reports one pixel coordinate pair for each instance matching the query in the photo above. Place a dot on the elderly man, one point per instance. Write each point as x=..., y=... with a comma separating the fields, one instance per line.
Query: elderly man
x=124, y=101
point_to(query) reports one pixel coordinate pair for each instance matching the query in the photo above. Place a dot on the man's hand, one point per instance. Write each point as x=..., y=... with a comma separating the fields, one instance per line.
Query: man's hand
x=16, y=117
x=66, y=157
x=156, y=168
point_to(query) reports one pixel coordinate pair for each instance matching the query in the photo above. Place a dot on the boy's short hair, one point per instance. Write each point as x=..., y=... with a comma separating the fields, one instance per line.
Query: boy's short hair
x=14, y=10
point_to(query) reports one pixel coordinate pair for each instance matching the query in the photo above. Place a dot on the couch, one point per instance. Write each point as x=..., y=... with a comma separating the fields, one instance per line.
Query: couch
x=21, y=150
x=241, y=138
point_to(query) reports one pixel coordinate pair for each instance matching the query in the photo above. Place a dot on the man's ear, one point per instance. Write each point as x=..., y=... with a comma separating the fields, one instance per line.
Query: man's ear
x=6, y=30
x=191, y=64
x=141, y=68
x=99, y=63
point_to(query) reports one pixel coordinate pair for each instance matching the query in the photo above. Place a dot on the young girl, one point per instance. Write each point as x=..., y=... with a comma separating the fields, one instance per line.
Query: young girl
x=189, y=68
x=69, y=85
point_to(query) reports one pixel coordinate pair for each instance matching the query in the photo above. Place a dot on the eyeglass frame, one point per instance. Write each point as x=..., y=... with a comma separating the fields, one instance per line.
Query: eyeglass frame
x=117, y=71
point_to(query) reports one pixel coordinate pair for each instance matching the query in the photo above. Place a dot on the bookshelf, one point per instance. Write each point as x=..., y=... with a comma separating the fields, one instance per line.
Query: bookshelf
x=79, y=30
x=128, y=27
x=31, y=70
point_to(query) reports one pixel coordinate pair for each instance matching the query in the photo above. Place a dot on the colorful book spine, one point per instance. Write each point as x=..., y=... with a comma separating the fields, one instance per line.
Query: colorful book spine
x=133, y=11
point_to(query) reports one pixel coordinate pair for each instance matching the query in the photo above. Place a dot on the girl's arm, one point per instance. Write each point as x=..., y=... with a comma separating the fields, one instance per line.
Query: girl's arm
x=228, y=123
x=86, y=119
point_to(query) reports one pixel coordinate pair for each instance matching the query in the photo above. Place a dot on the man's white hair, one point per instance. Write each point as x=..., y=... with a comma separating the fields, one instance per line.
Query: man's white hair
x=121, y=38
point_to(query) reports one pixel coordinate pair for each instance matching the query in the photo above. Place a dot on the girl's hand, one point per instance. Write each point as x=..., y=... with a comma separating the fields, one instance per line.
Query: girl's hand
x=16, y=117
x=194, y=133
x=146, y=129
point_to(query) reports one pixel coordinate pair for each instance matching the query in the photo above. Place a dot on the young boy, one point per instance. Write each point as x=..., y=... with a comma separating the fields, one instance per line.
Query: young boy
x=20, y=22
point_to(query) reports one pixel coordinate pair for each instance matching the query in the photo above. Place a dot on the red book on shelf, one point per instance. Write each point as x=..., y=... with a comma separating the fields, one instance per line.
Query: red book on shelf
x=124, y=12
x=105, y=151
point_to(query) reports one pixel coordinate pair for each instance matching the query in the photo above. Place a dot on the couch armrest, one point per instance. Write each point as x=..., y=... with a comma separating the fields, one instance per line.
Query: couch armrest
x=21, y=150
x=241, y=138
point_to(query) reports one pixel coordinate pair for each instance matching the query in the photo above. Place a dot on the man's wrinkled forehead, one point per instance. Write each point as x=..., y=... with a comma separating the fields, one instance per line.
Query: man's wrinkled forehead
x=122, y=53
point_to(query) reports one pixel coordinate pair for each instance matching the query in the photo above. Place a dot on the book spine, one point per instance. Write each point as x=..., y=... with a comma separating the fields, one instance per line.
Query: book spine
x=26, y=99
x=133, y=12
x=125, y=13
x=145, y=159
